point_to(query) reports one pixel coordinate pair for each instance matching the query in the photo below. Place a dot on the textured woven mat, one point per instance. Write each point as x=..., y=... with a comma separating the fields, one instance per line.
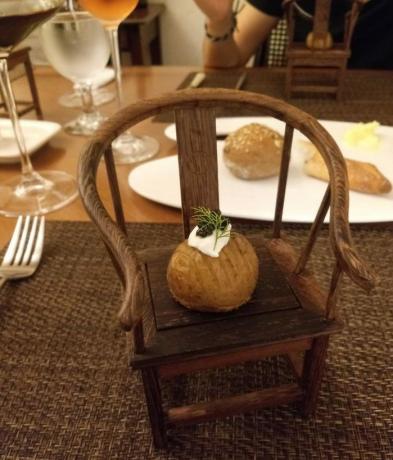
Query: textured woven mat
x=366, y=97
x=66, y=390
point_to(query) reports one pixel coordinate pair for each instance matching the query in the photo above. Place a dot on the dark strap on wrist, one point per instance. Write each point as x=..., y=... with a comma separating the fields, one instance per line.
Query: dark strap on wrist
x=222, y=38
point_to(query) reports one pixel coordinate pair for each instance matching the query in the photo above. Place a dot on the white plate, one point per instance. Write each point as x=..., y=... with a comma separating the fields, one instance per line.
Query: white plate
x=226, y=125
x=158, y=180
x=36, y=133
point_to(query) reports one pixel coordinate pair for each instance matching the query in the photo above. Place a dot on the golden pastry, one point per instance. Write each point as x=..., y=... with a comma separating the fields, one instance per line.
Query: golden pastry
x=253, y=152
x=214, y=270
x=362, y=177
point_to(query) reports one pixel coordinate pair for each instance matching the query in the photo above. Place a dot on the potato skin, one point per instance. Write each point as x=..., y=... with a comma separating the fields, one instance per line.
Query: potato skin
x=216, y=284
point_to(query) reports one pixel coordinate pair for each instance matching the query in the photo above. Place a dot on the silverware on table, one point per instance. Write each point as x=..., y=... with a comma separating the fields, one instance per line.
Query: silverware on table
x=198, y=79
x=241, y=80
x=24, y=250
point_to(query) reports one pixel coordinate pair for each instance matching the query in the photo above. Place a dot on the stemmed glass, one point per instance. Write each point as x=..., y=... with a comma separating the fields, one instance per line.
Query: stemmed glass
x=100, y=96
x=73, y=99
x=76, y=46
x=127, y=148
x=31, y=193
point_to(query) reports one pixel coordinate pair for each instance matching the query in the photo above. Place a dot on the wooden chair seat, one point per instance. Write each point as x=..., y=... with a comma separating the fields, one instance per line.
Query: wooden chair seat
x=289, y=313
x=275, y=314
x=299, y=51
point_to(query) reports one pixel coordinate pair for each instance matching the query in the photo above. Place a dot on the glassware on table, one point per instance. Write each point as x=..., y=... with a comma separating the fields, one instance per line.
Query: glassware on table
x=76, y=46
x=127, y=148
x=31, y=193
x=73, y=100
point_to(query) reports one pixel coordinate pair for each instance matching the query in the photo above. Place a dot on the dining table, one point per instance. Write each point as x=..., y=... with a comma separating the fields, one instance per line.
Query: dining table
x=67, y=391
x=367, y=95
x=63, y=151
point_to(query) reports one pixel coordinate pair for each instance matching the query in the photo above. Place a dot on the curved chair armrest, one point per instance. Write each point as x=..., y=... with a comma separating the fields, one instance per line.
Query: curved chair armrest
x=130, y=312
x=340, y=235
x=211, y=98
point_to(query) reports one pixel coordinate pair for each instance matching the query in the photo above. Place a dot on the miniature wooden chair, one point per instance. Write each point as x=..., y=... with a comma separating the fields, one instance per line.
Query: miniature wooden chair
x=319, y=56
x=21, y=56
x=289, y=313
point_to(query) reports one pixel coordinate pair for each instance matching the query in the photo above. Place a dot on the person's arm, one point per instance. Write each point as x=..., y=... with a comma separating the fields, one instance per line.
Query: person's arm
x=253, y=27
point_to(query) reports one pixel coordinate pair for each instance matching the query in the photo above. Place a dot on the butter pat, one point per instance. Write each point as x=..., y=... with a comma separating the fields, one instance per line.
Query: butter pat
x=363, y=136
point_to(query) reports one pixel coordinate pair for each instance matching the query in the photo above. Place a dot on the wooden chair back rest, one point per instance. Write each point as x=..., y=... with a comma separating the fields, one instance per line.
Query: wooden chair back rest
x=196, y=137
x=320, y=19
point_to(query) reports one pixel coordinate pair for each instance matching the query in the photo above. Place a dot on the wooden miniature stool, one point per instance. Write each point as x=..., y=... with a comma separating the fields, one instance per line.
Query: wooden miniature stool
x=290, y=314
x=319, y=58
x=21, y=56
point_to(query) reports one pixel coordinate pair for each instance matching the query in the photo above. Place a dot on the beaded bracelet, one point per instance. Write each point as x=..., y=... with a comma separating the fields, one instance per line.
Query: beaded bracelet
x=222, y=38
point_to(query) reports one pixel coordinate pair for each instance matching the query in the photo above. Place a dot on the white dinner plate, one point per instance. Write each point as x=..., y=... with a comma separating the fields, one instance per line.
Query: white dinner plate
x=36, y=133
x=158, y=180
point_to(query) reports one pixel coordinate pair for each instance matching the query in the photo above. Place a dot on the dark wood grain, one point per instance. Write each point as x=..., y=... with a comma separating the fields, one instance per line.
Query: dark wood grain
x=21, y=57
x=197, y=147
x=236, y=404
x=154, y=406
x=318, y=52
x=114, y=188
x=287, y=313
x=314, y=367
x=272, y=293
x=172, y=345
x=167, y=371
x=282, y=181
x=315, y=227
x=331, y=302
x=321, y=18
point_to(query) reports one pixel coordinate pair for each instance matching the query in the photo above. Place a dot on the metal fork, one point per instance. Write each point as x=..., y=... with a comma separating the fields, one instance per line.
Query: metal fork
x=24, y=250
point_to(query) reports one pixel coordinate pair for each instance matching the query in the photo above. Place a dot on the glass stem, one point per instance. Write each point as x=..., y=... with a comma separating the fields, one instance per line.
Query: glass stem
x=86, y=93
x=9, y=99
x=115, y=54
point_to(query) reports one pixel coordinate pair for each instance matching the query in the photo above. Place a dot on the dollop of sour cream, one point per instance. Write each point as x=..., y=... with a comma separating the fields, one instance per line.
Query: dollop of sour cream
x=210, y=245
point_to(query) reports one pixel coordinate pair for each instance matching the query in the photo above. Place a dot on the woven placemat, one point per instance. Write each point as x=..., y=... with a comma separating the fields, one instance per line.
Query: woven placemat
x=67, y=393
x=366, y=97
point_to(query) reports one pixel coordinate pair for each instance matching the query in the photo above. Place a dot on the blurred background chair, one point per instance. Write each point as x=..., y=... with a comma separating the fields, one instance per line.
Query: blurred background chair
x=20, y=66
x=318, y=64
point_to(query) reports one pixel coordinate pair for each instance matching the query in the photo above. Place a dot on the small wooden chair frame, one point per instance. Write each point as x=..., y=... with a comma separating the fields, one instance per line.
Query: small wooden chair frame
x=21, y=56
x=319, y=62
x=203, y=343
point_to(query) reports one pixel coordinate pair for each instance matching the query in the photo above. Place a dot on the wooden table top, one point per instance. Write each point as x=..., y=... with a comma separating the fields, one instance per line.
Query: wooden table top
x=62, y=152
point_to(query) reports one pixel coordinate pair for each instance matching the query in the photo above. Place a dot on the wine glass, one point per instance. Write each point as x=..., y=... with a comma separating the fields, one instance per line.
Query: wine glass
x=73, y=100
x=127, y=148
x=75, y=44
x=31, y=193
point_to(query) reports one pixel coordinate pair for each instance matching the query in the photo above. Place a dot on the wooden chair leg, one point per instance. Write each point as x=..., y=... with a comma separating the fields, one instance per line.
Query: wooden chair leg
x=314, y=366
x=154, y=405
x=340, y=82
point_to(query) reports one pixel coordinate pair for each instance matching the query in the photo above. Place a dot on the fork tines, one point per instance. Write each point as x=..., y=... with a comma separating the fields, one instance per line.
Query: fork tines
x=27, y=241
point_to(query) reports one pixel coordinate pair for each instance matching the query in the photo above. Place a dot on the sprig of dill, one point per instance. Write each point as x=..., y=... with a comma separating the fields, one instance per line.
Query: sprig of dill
x=211, y=221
